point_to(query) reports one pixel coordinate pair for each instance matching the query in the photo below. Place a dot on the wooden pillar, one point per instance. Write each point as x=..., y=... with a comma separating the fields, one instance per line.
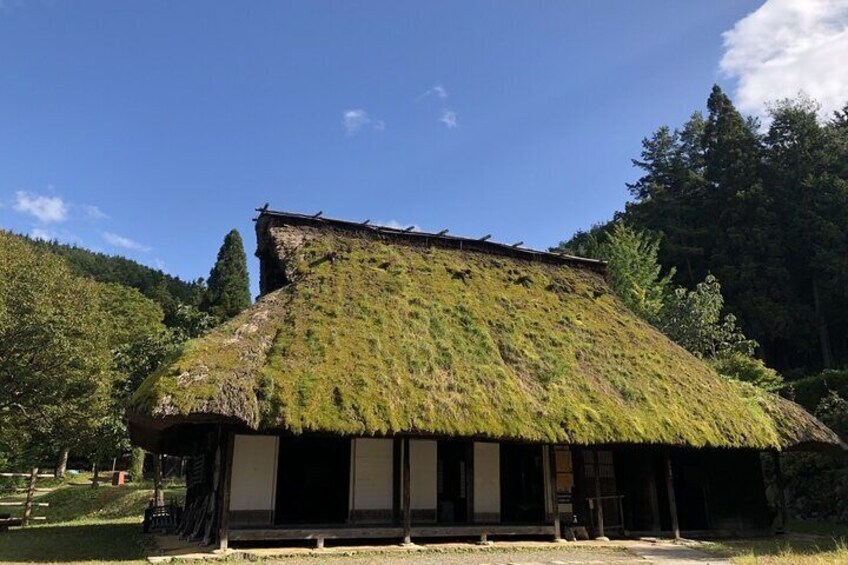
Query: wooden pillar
x=672, y=502
x=653, y=499
x=599, y=507
x=397, y=446
x=33, y=477
x=407, y=498
x=226, y=485
x=781, y=492
x=158, y=494
x=552, y=474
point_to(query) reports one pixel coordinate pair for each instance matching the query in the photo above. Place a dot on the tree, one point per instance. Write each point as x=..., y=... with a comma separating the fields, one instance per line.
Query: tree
x=694, y=320
x=54, y=354
x=228, y=291
x=633, y=271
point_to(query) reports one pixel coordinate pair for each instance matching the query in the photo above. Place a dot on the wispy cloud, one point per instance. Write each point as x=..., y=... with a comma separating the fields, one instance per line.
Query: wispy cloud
x=437, y=91
x=357, y=118
x=45, y=209
x=448, y=118
x=394, y=224
x=124, y=242
x=95, y=213
x=789, y=46
x=41, y=233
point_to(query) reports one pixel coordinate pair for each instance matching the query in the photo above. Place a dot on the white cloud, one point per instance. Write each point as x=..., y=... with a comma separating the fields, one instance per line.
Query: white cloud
x=40, y=233
x=45, y=208
x=448, y=118
x=786, y=47
x=394, y=224
x=357, y=118
x=124, y=242
x=437, y=91
x=95, y=213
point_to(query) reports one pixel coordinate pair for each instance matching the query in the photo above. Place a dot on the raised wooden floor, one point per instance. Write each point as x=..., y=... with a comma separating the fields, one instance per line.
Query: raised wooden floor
x=386, y=532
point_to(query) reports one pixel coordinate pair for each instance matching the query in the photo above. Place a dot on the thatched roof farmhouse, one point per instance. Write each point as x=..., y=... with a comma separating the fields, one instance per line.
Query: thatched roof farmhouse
x=432, y=373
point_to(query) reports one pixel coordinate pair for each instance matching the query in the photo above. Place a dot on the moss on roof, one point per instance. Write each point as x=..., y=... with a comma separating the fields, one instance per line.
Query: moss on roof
x=371, y=336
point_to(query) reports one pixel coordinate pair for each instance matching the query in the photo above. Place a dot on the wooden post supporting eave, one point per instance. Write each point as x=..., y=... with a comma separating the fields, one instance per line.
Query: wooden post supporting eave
x=599, y=507
x=33, y=477
x=672, y=502
x=781, y=492
x=553, y=491
x=407, y=498
x=653, y=499
x=227, y=479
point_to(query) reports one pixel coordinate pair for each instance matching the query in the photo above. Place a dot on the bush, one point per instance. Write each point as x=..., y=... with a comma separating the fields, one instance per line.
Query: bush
x=811, y=390
x=743, y=367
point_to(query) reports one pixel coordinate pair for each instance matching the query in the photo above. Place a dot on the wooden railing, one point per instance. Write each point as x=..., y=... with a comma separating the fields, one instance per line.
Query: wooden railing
x=29, y=503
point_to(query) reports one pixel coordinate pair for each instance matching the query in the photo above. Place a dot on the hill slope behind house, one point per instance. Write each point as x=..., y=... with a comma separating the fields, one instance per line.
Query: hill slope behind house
x=153, y=283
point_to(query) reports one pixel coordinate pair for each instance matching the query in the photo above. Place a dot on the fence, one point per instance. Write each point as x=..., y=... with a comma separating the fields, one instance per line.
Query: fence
x=31, y=489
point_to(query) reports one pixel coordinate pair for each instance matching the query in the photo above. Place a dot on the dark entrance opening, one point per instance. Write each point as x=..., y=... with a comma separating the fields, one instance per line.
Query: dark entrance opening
x=522, y=484
x=313, y=481
x=453, y=481
x=690, y=491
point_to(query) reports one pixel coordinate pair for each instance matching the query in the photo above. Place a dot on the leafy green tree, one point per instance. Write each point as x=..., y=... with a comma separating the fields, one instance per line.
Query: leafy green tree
x=54, y=354
x=633, y=271
x=695, y=319
x=228, y=292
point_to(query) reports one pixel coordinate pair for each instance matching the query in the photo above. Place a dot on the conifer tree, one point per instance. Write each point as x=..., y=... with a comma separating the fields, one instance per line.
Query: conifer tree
x=228, y=291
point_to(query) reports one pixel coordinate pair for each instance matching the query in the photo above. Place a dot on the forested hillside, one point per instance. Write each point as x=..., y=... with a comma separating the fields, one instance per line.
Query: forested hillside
x=764, y=210
x=165, y=289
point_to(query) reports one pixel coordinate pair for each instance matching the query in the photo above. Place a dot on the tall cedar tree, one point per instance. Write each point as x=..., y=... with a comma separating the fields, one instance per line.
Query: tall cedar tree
x=766, y=212
x=228, y=292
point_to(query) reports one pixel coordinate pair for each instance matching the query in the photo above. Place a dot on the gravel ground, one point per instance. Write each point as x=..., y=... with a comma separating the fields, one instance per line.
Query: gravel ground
x=564, y=556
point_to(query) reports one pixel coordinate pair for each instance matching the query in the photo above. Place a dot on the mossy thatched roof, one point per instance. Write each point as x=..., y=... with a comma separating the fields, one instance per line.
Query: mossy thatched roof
x=372, y=335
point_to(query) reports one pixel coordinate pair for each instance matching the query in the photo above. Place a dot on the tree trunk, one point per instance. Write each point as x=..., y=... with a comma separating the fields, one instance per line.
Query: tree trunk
x=824, y=333
x=95, y=482
x=158, y=495
x=63, y=463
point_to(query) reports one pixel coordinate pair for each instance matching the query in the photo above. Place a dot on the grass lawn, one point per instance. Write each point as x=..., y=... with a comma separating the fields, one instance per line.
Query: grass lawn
x=808, y=543
x=84, y=525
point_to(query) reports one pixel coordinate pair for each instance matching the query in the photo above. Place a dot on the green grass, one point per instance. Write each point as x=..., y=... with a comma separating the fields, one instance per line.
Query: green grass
x=807, y=543
x=84, y=525
x=76, y=543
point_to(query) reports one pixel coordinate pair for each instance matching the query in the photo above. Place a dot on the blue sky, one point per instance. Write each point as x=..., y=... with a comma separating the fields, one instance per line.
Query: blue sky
x=150, y=129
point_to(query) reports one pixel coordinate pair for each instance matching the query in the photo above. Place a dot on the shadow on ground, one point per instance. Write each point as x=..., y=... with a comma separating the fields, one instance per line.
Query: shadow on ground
x=74, y=543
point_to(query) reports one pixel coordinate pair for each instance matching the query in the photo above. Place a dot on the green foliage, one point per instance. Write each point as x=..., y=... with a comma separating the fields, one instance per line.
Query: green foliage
x=389, y=339
x=54, y=354
x=164, y=289
x=633, y=271
x=743, y=367
x=229, y=289
x=809, y=391
x=129, y=315
x=765, y=212
x=694, y=320
x=833, y=411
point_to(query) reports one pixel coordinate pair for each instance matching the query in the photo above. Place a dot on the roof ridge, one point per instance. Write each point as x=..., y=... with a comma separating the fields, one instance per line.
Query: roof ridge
x=441, y=238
